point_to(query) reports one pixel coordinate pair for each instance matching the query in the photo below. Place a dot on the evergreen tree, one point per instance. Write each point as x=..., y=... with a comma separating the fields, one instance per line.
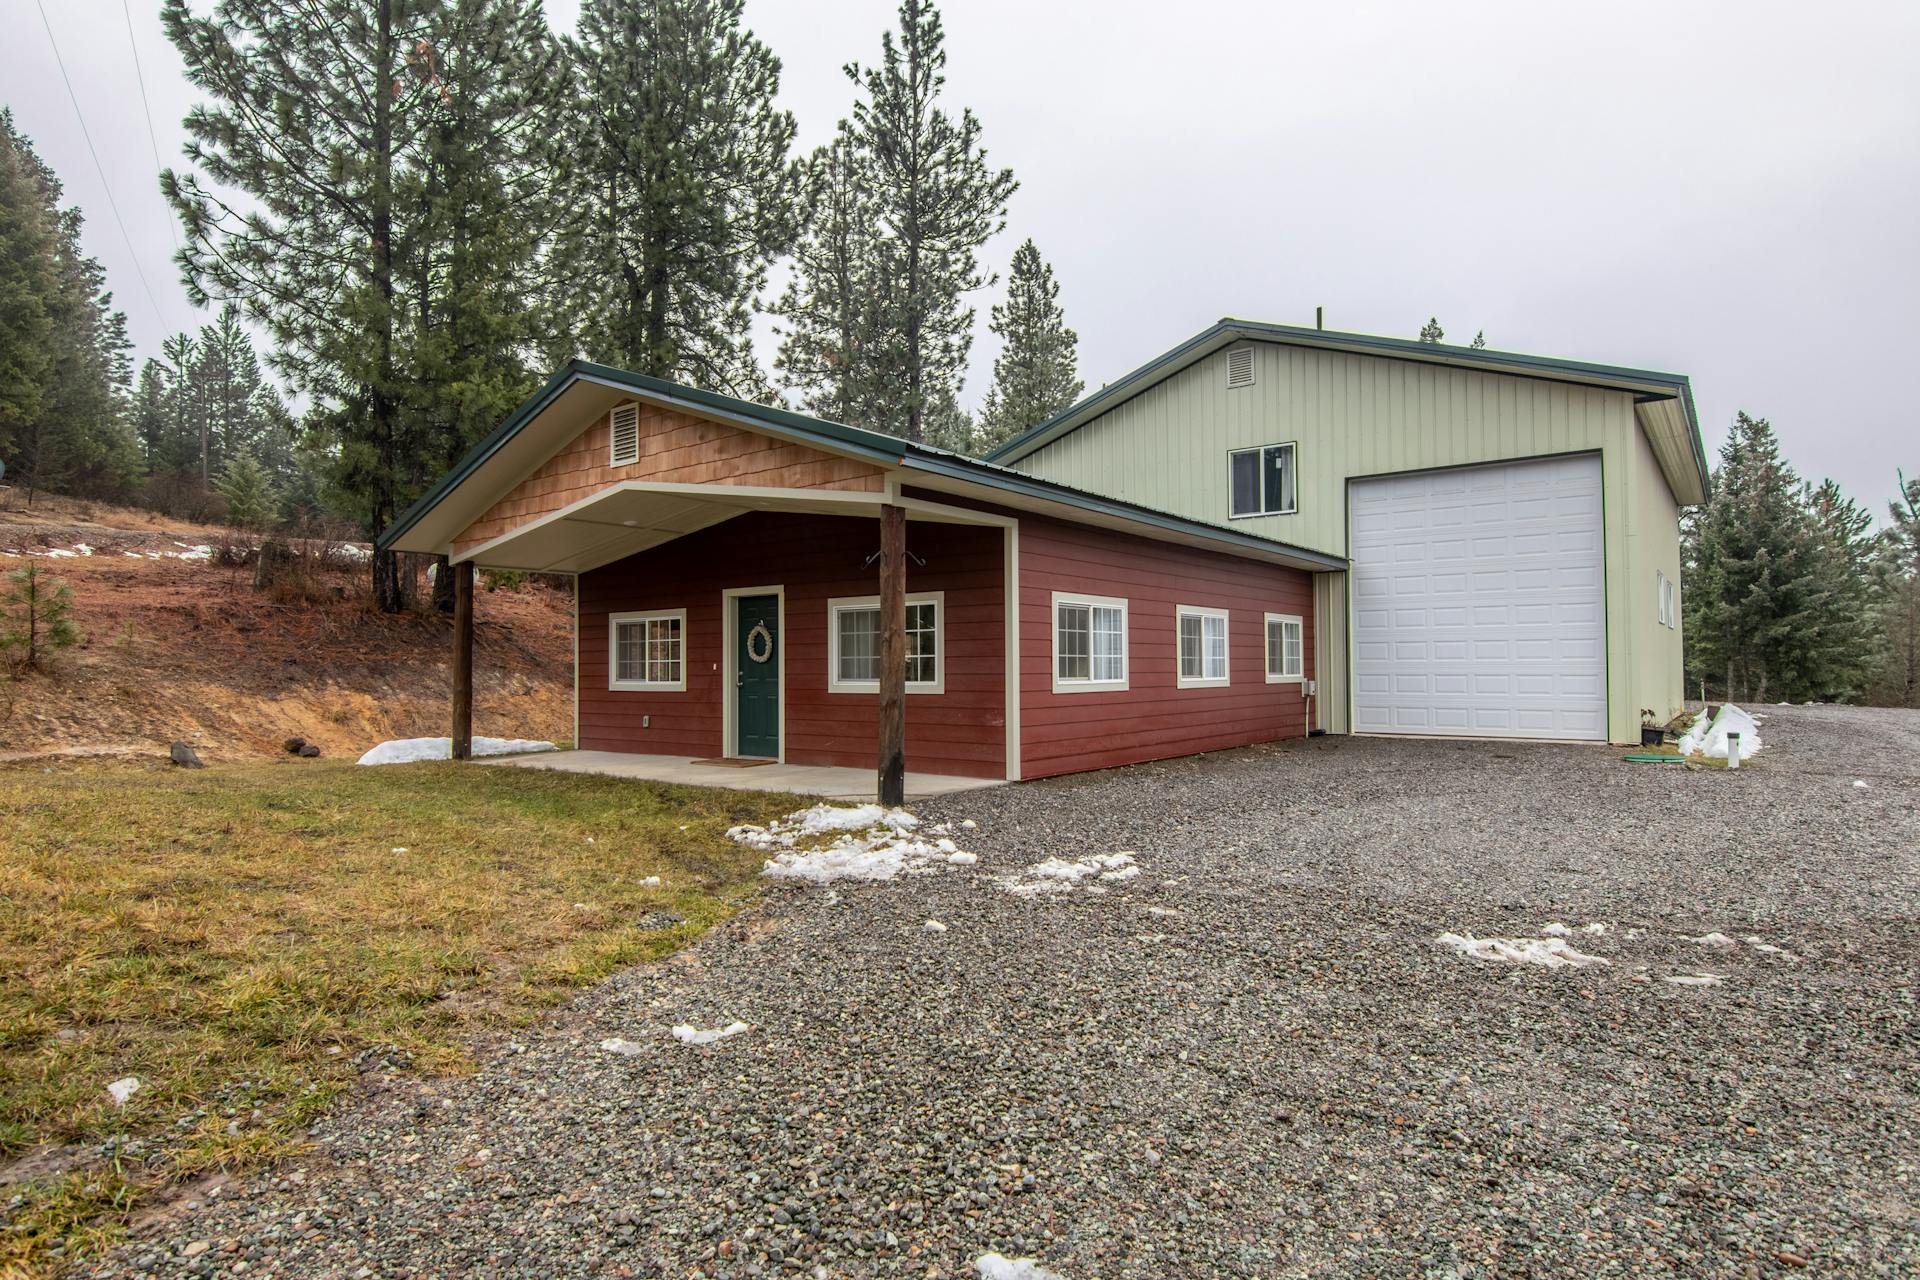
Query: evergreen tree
x=352, y=253
x=1479, y=341
x=830, y=312
x=64, y=386
x=1431, y=330
x=1841, y=639
x=237, y=411
x=1753, y=560
x=251, y=501
x=684, y=190
x=1897, y=578
x=1036, y=373
x=935, y=201
x=35, y=620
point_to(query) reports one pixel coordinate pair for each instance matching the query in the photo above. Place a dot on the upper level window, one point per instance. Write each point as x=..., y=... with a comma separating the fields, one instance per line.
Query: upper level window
x=647, y=651
x=853, y=634
x=1285, y=650
x=1262, y=480
x=1203, y=646
x=1089, y=643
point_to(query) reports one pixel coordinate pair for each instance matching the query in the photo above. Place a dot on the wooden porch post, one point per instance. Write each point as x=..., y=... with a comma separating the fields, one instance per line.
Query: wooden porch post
x=463, y=660
x=893, y=655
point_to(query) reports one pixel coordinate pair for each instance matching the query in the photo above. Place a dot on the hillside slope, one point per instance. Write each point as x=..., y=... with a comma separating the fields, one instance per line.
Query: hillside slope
x=180, y=646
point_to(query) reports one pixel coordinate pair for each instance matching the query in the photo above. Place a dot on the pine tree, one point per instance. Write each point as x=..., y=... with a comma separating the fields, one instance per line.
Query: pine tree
x=684, y=189
x=935, y=201
x=35, y=621
x=1036, y=373
x=830, y=311
x=1431, y=330
x=27, y=253
x=1753, y=560
x=330, y=118
x=1840, y=640
x=237, y=409
x=1897, y=578
x=251, y=501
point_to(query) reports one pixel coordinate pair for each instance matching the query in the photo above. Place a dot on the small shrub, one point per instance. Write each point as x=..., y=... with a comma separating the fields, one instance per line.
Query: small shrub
x=503, y=579
x=34, y=621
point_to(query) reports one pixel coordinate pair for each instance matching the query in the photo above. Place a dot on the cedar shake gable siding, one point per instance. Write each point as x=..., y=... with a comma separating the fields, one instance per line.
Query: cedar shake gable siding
x=675, y=448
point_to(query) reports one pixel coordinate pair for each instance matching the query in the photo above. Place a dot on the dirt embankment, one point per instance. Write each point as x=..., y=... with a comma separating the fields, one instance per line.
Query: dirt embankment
x=180, y=646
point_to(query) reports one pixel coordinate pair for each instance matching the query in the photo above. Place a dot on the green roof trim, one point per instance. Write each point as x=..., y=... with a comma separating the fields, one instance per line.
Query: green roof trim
x=1652, y=384
x=875, y=446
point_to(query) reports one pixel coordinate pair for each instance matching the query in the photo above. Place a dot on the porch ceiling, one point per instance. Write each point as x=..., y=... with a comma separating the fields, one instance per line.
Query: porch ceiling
x=632, y=516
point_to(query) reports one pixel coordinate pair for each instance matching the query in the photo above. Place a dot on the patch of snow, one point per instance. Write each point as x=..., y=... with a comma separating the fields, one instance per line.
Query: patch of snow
x=934, y=926
x=1595, y=929
x=994, y=1266
x=1710, y=740
x=1860, y=784
x=850, y=842
x=689, y=1034
x=410, y=750
x=1556, y=930
x=625, y=1048
x=1549, y=953
x=1766, y=948
x=1062, y=875
x=1717, y=940
x=399, y=848
x=123, y=1088
x=1696, y=979
x=650, y=881
x=968, y=824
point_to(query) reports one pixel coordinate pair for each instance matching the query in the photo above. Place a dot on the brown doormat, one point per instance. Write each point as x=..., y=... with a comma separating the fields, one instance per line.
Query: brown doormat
x=735, y=762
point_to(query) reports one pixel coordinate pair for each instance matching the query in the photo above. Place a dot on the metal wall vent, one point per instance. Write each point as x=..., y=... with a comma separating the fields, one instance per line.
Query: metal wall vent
x=1240, y=367
x=626, y=434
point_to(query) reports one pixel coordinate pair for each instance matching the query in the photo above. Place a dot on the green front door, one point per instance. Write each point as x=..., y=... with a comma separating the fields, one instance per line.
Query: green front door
x=756, y=663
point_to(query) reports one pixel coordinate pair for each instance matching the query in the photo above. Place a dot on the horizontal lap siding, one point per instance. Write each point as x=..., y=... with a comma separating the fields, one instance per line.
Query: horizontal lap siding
x=1153, y=718
x=815, y=558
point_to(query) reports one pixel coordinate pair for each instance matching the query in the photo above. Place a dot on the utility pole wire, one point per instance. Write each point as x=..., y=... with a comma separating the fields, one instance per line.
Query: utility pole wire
x=153, y=139
x=97, y=166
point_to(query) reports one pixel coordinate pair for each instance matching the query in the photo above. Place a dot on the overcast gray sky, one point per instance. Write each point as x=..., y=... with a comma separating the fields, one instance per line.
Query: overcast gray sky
x=1725, y=190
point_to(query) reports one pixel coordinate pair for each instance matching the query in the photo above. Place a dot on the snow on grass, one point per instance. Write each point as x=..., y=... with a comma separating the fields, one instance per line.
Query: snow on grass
x=1062, y=875
x=994, y=1266
x=687, y=1033
x=850, y=842
x=123, y=1088
x=409, y=750
x=1548, y=952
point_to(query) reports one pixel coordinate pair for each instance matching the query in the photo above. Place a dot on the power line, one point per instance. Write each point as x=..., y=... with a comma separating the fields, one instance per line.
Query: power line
x=97, y=166
x=153, y=139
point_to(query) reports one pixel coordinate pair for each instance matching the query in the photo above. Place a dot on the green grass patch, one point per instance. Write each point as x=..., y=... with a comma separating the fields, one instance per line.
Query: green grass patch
x=235, y=937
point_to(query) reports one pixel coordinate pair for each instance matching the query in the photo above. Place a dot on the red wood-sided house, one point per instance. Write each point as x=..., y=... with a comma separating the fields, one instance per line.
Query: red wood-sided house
x=752, y=582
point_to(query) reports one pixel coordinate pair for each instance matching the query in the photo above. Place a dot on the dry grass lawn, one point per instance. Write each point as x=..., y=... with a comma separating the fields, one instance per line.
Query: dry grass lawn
x=236, y=937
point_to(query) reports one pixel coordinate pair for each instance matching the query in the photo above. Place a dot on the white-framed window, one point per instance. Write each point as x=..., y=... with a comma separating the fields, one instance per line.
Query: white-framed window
x=853, y=643
x=1202, y=635
x=1089, y=643
x=1669, y=600
x=1261, y=481
x=1286, y=648
x=648, y=651
x=624, y=435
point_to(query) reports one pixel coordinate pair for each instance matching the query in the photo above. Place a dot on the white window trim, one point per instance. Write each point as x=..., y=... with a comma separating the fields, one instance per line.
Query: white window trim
x=1660, y=586
x=1673, y=603
x=1053, y=643
x=839, y=604
x=614, y=623
x=613, y=451
x=1293, y=448
x=1266, y=655
x=1201, y=682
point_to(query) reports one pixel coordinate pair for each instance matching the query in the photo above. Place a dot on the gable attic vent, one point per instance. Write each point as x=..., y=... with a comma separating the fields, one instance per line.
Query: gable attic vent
x=1240, y=367
x=626, y=434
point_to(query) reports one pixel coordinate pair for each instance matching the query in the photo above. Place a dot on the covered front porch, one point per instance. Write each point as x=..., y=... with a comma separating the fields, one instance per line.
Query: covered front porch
x=828, y=782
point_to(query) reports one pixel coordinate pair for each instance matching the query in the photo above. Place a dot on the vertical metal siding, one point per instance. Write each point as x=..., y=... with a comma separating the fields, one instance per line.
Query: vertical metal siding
x=1330, y=651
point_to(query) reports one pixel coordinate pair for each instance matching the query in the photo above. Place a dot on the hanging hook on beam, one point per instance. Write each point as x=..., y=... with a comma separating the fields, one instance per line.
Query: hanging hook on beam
x=868, y=562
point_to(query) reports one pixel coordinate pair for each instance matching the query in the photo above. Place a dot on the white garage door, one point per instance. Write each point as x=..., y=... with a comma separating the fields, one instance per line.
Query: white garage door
x=1478, y=603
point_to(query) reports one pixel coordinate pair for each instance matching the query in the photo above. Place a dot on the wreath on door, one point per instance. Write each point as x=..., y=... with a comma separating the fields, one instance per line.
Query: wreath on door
x=760, y=642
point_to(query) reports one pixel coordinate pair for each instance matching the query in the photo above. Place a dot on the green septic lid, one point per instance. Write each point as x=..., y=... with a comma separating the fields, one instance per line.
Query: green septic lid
x=1649, y=757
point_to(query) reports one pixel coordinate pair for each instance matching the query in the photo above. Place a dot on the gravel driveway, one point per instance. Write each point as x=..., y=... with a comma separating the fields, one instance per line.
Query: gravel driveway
x=1250, y=1059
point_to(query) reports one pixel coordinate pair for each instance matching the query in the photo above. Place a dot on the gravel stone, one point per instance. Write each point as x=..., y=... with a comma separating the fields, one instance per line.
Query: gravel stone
x=1250, y=1059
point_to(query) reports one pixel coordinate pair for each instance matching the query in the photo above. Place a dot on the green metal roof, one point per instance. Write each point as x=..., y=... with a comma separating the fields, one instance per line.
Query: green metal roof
x=874, y=446
x=1646, y=383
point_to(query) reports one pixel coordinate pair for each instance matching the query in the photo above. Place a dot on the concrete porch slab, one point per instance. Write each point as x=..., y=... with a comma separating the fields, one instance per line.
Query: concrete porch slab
x=802, y=779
